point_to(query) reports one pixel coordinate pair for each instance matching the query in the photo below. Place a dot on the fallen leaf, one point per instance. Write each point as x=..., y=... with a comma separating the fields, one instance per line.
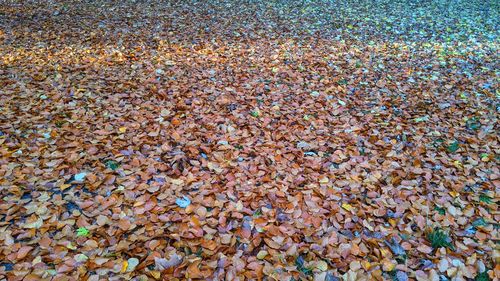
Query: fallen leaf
x=23, y=252
x=347, y=207
x=80, y=176
x=183, y=202
x=132, y=264
x=424, y=249
x=163, y=264
x=262, y=254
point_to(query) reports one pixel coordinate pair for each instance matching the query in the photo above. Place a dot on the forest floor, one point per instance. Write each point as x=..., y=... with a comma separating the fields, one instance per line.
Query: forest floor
x=248, y=140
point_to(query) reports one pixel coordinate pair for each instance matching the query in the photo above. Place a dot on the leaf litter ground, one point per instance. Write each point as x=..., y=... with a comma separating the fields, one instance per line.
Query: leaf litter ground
x=247, y=140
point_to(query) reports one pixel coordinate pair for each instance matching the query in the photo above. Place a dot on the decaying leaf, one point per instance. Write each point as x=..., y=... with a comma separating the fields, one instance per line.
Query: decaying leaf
x=249, y=140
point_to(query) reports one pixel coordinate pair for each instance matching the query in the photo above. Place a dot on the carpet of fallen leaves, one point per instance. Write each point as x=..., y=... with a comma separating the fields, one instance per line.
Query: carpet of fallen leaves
x=249, y=140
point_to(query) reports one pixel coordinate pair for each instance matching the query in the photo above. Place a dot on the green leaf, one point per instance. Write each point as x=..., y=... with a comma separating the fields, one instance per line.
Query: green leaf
x=473, y=124
x=255, y=113
x=112, y=165
x=479, y=222
x=342, y=81
x=81, y=258
x=82, y=231
x=440, y=210
x=60, y=123
x=485, y=198
x=422, y=119
x=300, y=262
x=453, y=147
x=257, y=213
x=437, y=142
x=439, y=238
x=483, y=276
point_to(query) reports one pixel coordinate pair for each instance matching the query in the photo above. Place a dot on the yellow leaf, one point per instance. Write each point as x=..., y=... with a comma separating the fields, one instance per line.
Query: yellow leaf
x=64, y=186
x=387, y=265
x=214, y=167
x=454, y=193
x=366, y=264
x=177, y=181
x=122, y=129
x=346, y=206
x=38, y=259
x=71, y=246
x=261, y=255
x=322, y=265
x=156, y=274
x=124, y=266
x=384, y=252
x=457, y=164
x=324, y=180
